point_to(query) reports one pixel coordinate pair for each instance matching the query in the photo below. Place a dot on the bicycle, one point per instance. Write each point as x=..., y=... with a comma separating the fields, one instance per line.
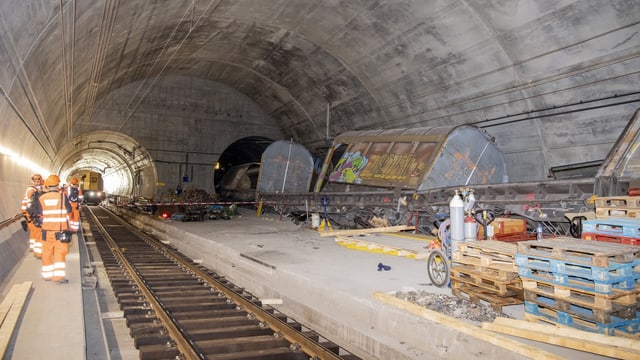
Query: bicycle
x=439, y=260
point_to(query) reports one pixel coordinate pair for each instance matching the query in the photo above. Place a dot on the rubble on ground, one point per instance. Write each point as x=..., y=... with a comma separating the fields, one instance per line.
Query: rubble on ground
x=192, y=196
x=451, y=305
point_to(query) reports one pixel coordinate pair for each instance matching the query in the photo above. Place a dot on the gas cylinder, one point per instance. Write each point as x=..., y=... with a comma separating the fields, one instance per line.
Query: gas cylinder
x=456, y=215
x=470, y=228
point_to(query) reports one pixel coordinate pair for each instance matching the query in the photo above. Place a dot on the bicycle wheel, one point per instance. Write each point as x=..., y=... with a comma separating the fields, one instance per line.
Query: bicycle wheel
x=438, y=268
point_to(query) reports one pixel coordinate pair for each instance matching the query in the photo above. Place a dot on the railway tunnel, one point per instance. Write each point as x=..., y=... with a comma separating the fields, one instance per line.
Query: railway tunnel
x=152, y=94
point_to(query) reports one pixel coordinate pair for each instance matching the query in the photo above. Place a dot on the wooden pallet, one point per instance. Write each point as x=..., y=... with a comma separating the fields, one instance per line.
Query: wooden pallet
x=618, y=201
x=616, y=273
x=617, y=213
x=496, y=274
x=580, y=251
x=619, y=300
x=498, y=249
x=540, y=313
x=579, y=283
x=476, y=295
x=488, y=254
x=497, y=287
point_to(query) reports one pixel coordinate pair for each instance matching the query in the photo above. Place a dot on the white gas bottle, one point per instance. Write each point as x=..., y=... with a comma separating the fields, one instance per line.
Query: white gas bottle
x=456, y=215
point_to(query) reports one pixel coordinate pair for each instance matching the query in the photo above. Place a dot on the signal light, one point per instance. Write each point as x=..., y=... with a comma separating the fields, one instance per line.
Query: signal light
x=165, y=215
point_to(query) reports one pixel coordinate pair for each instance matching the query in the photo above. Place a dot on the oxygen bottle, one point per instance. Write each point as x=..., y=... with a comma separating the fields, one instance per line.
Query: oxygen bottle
x=456, y=216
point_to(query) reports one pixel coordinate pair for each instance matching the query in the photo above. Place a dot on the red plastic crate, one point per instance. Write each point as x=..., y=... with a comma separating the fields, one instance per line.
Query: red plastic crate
x=610, y=238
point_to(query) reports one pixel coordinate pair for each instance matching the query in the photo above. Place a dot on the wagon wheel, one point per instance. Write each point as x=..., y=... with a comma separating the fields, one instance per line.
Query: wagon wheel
x=438, y=268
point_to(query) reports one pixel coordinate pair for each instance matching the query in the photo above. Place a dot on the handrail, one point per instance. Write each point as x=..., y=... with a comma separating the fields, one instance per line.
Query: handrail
x=10, y=221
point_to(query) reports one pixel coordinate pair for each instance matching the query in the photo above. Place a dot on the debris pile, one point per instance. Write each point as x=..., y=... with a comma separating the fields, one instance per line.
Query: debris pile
x=451, y=306
x=193, y=196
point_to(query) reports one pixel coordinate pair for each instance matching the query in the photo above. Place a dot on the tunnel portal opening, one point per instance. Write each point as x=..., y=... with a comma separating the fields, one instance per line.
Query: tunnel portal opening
x=237, y=169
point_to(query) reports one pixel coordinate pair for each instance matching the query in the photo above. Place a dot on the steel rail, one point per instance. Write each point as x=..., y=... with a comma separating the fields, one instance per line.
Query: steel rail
x=185, y=346
x=305, y=344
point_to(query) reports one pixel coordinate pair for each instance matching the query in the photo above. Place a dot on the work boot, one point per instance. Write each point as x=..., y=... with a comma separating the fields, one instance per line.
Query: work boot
x=384, y=267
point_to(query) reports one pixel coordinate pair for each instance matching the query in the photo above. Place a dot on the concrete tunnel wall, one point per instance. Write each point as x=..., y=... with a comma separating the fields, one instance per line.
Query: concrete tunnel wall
x=554, y=82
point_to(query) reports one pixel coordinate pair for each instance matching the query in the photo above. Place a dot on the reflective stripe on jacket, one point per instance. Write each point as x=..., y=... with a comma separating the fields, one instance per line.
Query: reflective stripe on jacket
x=26, y=201
x=55, y=207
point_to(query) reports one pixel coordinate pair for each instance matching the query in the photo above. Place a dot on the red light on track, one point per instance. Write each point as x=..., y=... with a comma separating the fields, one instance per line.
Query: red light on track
x=165, y=215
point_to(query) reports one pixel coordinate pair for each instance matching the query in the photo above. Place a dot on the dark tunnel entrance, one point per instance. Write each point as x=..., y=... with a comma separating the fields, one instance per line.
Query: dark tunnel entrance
x=238, y=162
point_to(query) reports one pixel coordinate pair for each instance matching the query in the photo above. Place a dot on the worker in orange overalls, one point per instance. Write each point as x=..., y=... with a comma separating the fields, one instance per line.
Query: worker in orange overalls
x=35, y=233
x=74, y=193
x=55, y=231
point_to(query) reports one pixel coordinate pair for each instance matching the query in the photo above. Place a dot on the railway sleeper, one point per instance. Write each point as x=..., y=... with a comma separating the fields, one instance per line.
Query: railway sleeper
x=203, y=306
x=136, y=330
x=151, y=339
x=266, y=354
x=228, y=332
x=194, y=315
x=241, y=344
x=158, y=352
x=136, y=310
x=221, y=322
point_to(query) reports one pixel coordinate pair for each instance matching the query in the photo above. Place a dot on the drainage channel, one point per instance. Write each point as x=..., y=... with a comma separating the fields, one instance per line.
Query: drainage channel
x=178, y=309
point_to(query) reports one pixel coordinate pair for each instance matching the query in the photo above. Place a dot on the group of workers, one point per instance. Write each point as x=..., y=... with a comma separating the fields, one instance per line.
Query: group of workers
x=52, y=213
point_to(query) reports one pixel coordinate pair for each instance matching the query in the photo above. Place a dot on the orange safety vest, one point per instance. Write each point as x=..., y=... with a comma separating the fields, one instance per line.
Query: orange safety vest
x=26, y=202
x=74, y=193
x=55, y=207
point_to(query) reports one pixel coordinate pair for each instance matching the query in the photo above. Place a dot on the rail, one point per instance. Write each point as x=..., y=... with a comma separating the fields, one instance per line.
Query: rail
x=178, y=332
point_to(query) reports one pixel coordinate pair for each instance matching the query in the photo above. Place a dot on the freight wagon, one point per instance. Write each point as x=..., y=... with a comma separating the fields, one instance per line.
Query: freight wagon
x=403, y=176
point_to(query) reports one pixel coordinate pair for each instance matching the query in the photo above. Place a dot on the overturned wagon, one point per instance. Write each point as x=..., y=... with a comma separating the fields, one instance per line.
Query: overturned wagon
x=416, y=159
x=372, y=171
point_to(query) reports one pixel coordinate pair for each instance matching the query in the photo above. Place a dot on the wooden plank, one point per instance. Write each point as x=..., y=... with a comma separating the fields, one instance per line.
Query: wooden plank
x=6, y=303
x=466, y=328
x=8, y=326
x=363, y=245
x=355, y=232
x=570, y=338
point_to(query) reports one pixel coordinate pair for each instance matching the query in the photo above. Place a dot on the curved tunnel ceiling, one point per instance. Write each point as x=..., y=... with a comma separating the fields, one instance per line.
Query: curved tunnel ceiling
x=549, y=79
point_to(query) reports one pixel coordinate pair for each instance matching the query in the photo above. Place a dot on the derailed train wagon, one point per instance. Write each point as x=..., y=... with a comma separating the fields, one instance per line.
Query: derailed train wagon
x=369, y=173
x=416, y=159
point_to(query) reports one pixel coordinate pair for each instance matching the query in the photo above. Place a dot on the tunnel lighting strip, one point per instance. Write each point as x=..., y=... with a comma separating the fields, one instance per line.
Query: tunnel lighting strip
x=22, y=160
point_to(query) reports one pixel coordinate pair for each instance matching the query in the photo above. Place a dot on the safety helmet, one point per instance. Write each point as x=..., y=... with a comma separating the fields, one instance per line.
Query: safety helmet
x=36, y=177
x=52, y=181
x=74, y=181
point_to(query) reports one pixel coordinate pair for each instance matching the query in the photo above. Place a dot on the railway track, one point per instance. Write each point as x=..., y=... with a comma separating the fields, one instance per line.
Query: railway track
x=178, y=309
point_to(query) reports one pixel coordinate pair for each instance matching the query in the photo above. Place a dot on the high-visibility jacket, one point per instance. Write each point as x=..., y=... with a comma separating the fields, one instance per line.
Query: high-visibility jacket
x=74, y=193
x=26, y=201
x=55, y=207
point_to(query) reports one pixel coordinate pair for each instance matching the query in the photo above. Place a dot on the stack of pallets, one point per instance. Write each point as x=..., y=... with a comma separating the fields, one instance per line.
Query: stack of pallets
x=485, y=270
x=627, y=207
x=592, y=286
x=617, y=220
